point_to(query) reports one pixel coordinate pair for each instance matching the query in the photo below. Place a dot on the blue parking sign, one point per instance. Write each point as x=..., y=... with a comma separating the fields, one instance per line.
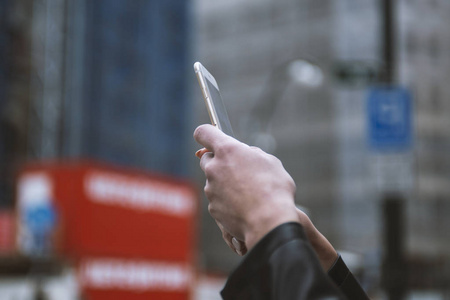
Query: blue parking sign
x=389, y=116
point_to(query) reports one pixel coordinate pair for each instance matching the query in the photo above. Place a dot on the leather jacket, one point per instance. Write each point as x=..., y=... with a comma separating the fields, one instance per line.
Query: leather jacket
x=283, y=265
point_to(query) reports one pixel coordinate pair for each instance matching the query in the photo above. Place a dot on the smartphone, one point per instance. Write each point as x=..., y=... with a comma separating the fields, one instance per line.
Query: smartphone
x=213, y=99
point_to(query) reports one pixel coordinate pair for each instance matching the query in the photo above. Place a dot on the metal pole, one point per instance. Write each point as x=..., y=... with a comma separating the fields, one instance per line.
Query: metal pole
x=394, y=265
x=394, y=275
x=388, y=31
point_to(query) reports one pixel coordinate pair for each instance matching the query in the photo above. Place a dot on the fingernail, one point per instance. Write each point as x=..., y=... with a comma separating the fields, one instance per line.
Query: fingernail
x=201, y=152
x=239, y=252
x=236, y=244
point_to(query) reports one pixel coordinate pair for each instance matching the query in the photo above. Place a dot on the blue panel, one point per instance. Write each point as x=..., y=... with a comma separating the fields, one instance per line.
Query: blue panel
x=389, y=111
x=136, y=96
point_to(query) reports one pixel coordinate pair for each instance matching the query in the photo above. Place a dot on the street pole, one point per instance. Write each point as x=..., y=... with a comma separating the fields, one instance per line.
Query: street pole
x=388, y=32
x=394, y=276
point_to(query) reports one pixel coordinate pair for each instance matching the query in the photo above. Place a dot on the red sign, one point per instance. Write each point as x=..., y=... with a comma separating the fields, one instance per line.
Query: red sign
x=130, y=231
x=7, y=232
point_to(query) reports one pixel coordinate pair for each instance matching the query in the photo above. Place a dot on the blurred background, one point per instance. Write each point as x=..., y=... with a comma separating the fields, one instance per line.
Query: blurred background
x=101, y=194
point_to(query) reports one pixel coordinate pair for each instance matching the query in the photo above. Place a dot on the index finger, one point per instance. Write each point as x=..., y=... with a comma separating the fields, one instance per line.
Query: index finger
x=209, y=136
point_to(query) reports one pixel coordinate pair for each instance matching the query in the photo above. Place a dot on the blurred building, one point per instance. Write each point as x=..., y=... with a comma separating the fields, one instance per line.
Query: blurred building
x=320, y=133
x=424, y=64
x=90, y=80
x=3, y=85
x=14, y=91
x=112, y=87
x=241, y=44
x=103, y=80
x=111, y=81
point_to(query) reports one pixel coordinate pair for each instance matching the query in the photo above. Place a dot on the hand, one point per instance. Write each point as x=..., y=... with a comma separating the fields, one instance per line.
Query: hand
x=323, y=248
x=249, y=191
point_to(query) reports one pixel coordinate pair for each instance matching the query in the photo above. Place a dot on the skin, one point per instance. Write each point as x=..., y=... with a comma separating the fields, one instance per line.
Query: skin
x=250, y=193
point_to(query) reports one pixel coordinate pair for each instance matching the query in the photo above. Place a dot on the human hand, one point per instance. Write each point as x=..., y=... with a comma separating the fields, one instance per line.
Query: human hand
x=325, y=252
x=249, y=191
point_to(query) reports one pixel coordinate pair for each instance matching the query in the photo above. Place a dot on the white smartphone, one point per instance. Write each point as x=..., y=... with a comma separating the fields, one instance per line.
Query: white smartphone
x=213, y=99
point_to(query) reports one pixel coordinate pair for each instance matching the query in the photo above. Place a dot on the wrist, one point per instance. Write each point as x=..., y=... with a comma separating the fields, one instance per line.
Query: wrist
x=262, y=223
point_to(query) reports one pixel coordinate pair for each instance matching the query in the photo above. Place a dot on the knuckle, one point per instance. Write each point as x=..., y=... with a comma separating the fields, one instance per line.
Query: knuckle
x=291, y=184
x=210, y=170
x=269, y=159
x=208, y=191
x=226, y=148
x=207, y=169
x=274, y=159
x=211, y=209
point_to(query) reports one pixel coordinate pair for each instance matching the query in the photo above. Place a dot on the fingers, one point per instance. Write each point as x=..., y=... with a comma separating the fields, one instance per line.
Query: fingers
x=209, y=136
x=200, y=152
x=226, y=236
x=239, y=246
x=205, y=159
x=232, y=242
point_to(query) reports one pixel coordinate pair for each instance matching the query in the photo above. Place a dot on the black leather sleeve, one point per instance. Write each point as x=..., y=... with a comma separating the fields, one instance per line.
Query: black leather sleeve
x=281, y=266
x=346, y=282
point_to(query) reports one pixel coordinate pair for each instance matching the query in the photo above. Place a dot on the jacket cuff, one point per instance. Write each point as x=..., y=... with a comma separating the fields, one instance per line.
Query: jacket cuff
x=261, y=252
x=344, y=279
x=339, y=271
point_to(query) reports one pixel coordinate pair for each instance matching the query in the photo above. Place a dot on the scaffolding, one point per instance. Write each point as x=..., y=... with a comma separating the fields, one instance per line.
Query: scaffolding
x=47, y=78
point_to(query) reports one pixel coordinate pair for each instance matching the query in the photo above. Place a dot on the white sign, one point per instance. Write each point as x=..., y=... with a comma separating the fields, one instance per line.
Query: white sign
x=393, y=172
x=135, y=275
x=140, y=194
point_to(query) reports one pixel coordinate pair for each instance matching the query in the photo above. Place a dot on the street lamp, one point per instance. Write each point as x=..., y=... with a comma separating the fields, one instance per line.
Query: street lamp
x=305, y=73
x=299, y=71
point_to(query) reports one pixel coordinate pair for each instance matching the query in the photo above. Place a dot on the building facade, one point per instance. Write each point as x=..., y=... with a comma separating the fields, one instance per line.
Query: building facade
x=320, y=134
x=108, y=83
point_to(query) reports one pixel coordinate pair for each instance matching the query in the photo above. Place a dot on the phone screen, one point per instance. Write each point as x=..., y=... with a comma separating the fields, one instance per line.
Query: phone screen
x=220, y=109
